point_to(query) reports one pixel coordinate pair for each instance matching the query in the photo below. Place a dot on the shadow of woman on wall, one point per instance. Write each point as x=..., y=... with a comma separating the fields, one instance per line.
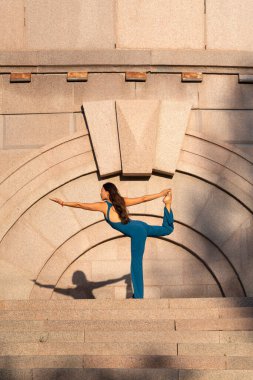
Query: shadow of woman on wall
x=84, y=288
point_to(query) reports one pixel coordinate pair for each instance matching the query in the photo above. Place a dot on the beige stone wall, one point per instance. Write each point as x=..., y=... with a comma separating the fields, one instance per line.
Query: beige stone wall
x=128, y=24
x=208, y=252
x=46, y=146
x=37, y=113
x=23, y=133
x=231, y=126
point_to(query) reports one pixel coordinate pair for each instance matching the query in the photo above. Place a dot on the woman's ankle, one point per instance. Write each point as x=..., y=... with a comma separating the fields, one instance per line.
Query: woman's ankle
x=168, y=206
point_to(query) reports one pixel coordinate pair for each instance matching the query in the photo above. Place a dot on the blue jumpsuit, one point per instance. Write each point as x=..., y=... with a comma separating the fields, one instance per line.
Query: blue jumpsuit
x=139, y=231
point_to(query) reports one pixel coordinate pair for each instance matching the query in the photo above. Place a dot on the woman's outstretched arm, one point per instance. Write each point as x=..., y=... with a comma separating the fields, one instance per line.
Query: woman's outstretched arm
x=62, y=203
x=97, y=206
x=145, y=198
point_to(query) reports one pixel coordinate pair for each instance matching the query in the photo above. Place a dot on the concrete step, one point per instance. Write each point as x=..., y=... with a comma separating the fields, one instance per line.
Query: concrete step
x=187, y=339
x=215, y=324
x=127, y=348
x=123, y=374
x=127, y=361
x=113, y=331
x=164, y=303
x=185, y=318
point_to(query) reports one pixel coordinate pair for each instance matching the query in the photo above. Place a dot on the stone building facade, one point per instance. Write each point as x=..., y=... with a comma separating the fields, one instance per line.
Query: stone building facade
x=148, y=95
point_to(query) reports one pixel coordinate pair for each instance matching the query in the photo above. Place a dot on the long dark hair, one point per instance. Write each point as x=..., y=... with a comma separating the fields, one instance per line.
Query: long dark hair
x=117, y=201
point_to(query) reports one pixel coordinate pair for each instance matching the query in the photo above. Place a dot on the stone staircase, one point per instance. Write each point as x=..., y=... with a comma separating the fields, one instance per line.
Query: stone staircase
x=179, y=339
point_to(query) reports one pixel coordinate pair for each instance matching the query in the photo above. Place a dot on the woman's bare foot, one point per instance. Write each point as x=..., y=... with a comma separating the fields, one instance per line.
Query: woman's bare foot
x=168, y=199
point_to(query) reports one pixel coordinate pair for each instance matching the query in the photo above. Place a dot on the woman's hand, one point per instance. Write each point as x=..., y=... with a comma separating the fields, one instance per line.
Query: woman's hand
x=57, y=200
x=165, y=192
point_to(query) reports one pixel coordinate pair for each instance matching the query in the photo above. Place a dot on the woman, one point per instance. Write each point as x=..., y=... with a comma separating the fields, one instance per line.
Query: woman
x=116, y=215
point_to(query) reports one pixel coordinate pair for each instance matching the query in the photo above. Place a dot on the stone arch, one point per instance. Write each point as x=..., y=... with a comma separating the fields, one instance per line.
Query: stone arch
x=31, y=233
x=57, y=265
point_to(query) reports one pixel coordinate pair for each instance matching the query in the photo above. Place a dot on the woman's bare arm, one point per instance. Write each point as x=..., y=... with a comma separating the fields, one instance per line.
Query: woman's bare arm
x=97, y=206
x=145, y=198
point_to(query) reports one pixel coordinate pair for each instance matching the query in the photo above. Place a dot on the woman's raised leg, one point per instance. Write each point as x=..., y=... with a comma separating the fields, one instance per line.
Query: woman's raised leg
x=167, y=226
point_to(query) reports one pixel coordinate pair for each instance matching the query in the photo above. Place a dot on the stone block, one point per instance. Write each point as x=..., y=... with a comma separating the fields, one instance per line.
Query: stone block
x=219, y=302
x=48, y=325
x=45, y=29
x=167, y=272
x=27, y=240
x=17, y=374
x=102, y=125
x=90, y=348
x=231, y=215
x=8, y=349
x=216, y=349
x=70, y=314
x=74, y=58
x=12, y=13
x=105, y=292
x=154, y=361
x=2, y=131
x=10, y=158
x=144, y=331
x=137, y=126
x=186, y=374
x=48, y=174
x=125, y=291
x=13, y=280
x=224, y=92
x=173, y=120
x=109, y=252
x=224, y=155
x=240, y=363
x=245, y=148
x=212, y=324
x=41, y=361
x=42, y=336
x=105, y=373
x=191, y=290
x=135, y=314
x=218, y=175
x=168, y=87
x=236, y=336
x=170, y=25
x=110, y=269
x=45, y=93
x=231, y=126
x=102, y=87
x=194, y=272
x=229, y=25
x=236, y=312
x=79, y=122
x=33, y=131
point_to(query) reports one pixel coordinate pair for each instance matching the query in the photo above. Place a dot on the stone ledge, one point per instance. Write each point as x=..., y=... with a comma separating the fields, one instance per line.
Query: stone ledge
x=119, y=57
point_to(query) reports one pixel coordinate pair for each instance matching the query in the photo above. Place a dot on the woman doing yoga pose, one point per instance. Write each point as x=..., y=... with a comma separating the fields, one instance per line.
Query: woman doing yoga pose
x=116, y=215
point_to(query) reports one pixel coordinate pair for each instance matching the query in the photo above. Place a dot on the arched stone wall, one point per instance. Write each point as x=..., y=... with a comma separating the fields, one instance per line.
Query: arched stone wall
x=212, y=205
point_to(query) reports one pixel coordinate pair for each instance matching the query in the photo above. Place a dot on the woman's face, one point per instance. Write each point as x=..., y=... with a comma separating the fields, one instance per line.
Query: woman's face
x=104, y=194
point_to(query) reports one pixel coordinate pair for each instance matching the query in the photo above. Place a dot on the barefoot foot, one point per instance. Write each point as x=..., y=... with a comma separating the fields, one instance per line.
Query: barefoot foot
x=168, y=197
